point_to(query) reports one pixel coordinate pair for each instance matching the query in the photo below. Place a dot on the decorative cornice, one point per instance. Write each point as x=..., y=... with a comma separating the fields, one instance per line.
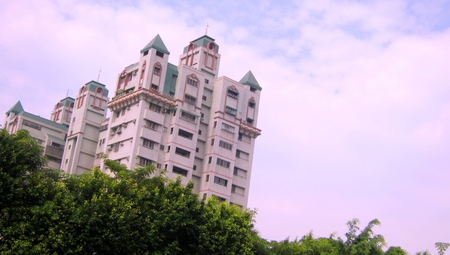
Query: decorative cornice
x=248, y=129
x=130, y=98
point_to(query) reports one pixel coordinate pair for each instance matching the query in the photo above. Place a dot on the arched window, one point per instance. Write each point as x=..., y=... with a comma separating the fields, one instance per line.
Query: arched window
x=121, y=80
x=57, y=111
x=157, y=69
x=98, y=98
x=69, y=112
x=210, y=56
x=141, y=79
x=190, y=54
x=80, y=99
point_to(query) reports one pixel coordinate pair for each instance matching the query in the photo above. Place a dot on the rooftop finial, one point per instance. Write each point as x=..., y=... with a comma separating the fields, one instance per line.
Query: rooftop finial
x=206, y=32
x=98, y=77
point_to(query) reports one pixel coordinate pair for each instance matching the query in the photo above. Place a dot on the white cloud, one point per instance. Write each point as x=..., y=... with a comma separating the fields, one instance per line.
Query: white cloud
x=354, y=108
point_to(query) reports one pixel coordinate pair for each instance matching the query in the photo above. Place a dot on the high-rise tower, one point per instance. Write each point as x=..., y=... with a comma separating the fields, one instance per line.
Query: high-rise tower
x=185, y=119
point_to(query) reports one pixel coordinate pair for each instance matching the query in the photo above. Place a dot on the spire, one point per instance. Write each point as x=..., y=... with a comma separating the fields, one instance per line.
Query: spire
x=157, y=44
x=249, y=79
x=16, y=109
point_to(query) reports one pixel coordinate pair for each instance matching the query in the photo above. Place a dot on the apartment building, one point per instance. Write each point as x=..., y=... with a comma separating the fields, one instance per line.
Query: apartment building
x=184, y=119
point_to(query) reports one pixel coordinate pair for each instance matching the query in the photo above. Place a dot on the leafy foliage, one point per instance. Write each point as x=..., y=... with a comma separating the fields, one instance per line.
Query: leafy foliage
x=47, y=212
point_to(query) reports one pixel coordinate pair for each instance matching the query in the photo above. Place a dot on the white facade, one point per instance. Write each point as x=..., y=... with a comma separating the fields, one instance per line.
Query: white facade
x=49, y=135
x=183, y=119
x=87, y=115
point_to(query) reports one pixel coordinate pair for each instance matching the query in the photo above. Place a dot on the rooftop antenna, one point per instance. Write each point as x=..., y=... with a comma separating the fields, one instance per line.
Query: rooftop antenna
x=98, y=77
x=67, y=94
x=206, y=32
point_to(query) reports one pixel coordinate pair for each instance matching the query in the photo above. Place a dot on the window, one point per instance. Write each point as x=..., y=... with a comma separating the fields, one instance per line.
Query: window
x=212, y=142
x=171, y=130
x=220, y=181
x=209, y=160
x=225, y=145
x=116, y=130
x=204, y=98
x=148, y=143
x=230, y=110
x=145, y=53
x=155, y=107
x=155, y=87
x=168, y=148
x=227, y=127
x=159, y=54
x=206, y=81
x=179, y=171
x=252, y=89
x=31, y=124
x=233, y=93
x=190, y=99
x=103, y=128
x=197, y=149
x=242, y=155
x=251, y=104
x=194, y=167
x=161, y=147
x=187, y=116
x=207, y=178
x=191, y=81
x=249, y=121
x=240, y=172
x=185, y=134
x=151, y=125
x=157, y=70
x=215, y=124
x=237, y=190
x=199, y=131
x=141, y=79
x=101, y=142
x=183, y=153
x=144, y=161
x=223, y=163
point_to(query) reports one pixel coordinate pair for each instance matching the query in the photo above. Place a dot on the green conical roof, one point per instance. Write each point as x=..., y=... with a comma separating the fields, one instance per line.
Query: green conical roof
x=157, y=44
x=249, y=79
x=16, y=109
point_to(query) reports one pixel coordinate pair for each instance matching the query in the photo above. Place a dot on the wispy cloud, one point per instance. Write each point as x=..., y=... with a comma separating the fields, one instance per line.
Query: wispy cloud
x=355, y=105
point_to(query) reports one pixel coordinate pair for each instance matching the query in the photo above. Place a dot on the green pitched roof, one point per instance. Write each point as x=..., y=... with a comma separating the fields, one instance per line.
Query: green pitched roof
x=17, y=108
x=93, y=85
x=44, y=121
x=249, y=79
x=66, y=101
x=157, y=44
x=202, y=41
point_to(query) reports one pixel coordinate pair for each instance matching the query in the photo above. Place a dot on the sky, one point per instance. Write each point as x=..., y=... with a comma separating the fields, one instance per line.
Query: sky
x=354, y=111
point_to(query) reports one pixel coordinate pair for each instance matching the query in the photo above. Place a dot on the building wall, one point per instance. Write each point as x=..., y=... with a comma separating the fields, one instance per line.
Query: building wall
x=183, y=119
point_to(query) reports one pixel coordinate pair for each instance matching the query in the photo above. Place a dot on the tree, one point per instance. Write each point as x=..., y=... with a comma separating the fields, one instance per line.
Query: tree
x=442, y=247
x=46, y=211
x=396, y=251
